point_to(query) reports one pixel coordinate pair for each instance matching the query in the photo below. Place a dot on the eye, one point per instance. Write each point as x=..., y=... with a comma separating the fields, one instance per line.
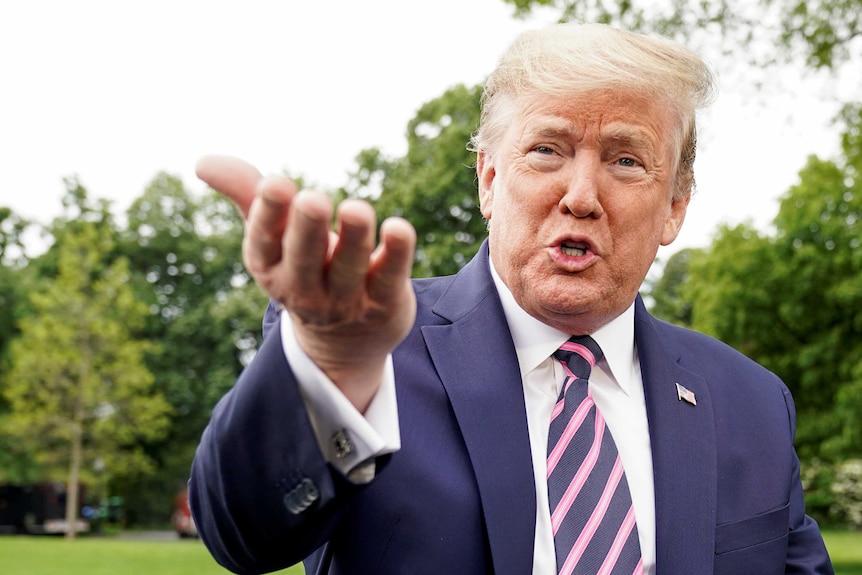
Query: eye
x=628, y=162
x=547, y=150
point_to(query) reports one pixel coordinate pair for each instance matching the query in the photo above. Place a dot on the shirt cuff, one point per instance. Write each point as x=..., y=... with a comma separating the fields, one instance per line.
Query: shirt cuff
x=349, y=440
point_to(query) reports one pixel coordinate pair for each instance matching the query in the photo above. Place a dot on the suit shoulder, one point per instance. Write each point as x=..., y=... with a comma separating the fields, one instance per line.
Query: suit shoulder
x=431, y=287
x=737, y=384
x=429, y=290
x=703, y=353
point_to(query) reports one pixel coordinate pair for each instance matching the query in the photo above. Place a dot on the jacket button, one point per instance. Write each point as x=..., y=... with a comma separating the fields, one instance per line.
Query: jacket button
x=301, y=496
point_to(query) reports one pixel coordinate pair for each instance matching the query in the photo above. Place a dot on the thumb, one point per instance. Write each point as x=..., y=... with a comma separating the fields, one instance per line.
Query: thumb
x=234, y=178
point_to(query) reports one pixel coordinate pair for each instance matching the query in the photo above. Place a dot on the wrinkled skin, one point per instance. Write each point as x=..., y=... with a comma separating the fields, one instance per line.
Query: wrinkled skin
x=580, y=193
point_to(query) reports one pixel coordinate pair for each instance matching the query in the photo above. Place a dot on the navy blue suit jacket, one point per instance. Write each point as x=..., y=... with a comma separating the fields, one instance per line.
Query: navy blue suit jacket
x=459, y=496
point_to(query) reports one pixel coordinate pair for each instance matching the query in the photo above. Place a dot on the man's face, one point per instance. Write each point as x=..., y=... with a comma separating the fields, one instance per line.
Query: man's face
x=579, y=196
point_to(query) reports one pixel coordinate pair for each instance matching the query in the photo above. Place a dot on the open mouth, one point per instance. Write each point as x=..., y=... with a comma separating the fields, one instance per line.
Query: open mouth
x=573, y=249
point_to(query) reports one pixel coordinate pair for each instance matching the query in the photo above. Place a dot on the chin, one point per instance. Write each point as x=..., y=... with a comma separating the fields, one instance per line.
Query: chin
x=566, y=308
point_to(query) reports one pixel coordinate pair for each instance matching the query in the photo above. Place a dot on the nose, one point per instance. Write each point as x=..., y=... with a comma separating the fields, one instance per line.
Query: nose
x=581, y=196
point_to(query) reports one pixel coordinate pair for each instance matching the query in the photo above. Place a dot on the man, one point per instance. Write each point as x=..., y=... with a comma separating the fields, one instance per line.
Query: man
x=390, y=426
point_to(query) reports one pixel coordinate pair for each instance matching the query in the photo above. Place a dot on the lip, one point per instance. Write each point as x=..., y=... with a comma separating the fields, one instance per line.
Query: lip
x=568, y=261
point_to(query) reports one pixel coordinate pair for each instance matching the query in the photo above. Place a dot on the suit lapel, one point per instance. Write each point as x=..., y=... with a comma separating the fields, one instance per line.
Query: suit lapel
x=683, y=440
x=476, y=361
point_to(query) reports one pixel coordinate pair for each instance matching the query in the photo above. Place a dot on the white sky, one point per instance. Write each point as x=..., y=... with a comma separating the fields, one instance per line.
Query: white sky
x=118, y=91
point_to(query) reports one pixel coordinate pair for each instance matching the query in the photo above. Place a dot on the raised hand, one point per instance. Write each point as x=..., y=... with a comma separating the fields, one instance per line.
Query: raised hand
x=350, y=300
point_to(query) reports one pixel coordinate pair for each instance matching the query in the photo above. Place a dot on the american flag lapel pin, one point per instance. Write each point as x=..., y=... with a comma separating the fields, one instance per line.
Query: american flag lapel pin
x=684, y=394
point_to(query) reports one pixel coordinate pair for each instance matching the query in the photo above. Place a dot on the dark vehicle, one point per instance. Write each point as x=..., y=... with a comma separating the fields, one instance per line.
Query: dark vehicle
x=182, y=519
x=38, y=508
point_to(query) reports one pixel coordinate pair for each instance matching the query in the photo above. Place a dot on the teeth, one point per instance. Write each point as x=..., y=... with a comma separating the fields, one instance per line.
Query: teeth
x=572, y=251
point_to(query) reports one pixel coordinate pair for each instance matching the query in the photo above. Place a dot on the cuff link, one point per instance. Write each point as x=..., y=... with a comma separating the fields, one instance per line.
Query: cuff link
x=342, y=444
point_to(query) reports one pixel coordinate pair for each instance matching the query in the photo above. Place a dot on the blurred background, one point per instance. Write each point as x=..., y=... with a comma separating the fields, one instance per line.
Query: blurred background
x=125, y=311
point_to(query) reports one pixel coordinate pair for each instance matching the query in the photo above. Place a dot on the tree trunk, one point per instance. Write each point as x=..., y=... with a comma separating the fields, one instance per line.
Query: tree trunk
x=72, y=487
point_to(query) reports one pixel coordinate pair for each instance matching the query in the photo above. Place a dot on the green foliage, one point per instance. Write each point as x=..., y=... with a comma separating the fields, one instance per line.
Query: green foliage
x=204, y=315
x=78, y=387
x=12, y=294
x=730, y=289
x=12, y=229
x=12, y=282
x=825, y=30
x=792, y=300
x=666, y=294
x=817, y=480
x=851, y=138
x=847, y=488
x=823, y=34
x=433, y=185
x=168, y=291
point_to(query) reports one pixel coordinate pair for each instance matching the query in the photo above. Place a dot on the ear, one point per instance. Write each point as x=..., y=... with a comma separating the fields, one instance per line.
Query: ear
x=486, y=173
x=673, y=224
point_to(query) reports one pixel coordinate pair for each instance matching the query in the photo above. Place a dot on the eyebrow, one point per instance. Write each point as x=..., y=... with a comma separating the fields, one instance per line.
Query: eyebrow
x=627, y=136
x=620, y=134
x=552, y=130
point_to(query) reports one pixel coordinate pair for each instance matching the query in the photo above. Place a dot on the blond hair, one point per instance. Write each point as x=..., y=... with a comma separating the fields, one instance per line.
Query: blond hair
x=566, y=59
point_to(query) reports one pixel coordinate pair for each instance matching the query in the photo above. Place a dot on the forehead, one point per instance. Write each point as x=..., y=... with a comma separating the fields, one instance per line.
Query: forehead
x=610, y=115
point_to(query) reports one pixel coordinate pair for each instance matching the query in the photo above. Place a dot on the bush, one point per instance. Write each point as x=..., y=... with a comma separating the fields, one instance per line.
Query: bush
x=847, y=489
x=817, y=479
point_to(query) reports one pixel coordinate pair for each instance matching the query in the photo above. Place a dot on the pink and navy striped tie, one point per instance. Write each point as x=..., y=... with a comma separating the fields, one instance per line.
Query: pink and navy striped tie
x=591, y=508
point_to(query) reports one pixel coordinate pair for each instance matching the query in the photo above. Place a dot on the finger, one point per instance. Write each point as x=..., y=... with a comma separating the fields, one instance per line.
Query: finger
x=348, y=266
x=306, y=241
x=231, y=177
x=392, y=262
x=266, y=223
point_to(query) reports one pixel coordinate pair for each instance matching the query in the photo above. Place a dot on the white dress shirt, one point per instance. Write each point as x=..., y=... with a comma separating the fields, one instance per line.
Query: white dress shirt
x=616, y=387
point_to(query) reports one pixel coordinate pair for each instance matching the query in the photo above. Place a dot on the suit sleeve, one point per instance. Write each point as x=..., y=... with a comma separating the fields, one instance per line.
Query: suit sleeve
x=261, y=492
x=806, y=552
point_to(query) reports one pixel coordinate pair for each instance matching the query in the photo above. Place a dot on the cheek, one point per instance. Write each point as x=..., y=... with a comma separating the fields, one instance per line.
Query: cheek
x=502, y=201
x=636, y=237
x=648, y=219
x=512, y=232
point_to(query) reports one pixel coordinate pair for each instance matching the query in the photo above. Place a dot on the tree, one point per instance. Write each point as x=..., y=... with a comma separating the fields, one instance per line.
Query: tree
x=12, y=261
x=12, y=229
x=197, y=312
x=824, y=34
x=433, y=185
x=204, y=321
x=792, y=300
x=78, y=389
x=668, y=301
x=15, y=464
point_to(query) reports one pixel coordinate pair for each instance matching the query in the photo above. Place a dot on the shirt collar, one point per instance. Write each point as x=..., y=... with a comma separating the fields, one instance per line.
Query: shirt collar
x=535, y=341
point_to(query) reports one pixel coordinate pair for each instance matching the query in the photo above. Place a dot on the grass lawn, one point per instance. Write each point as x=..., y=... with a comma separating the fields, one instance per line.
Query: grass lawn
x=845, y=548
x=20, y=555
x=106, y=556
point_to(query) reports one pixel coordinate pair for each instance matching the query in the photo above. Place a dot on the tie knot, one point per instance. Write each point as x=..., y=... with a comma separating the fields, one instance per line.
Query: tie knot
x=577, y=350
